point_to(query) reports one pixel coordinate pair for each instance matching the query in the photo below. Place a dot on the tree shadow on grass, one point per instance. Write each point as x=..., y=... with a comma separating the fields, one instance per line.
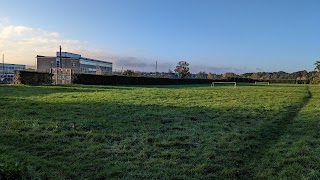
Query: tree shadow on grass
x=112, y=140
x=295, y=155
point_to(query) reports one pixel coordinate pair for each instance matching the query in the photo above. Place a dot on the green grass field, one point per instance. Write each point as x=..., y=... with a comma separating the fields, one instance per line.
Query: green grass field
x=160, y=132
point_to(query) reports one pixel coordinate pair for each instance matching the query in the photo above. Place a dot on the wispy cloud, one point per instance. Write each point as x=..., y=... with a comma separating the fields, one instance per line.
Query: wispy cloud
x=119, y=62
x=10, y=32
x=21, y=44
x=218, y=69
x=51, y=34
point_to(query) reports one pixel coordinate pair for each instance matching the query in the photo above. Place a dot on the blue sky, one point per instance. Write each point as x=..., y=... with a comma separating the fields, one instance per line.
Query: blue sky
x=212, y=35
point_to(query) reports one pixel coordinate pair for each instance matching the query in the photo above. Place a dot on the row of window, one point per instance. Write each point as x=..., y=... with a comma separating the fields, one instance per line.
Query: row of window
x=11, y=68
x=95, y=62
x=6, y=76
x=93, y=70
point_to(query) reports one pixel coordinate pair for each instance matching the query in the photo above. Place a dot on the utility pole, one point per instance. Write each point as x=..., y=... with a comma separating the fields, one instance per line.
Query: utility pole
x=2, y=67
x=58, y=67
x=60, y=64
x=156, y=69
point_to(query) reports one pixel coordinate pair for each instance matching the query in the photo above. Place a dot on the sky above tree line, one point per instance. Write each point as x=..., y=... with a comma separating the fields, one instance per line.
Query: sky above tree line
x=211, y=35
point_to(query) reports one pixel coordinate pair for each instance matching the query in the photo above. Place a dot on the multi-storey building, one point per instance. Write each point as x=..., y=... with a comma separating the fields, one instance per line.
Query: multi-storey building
x=75, y=62
x=7, y=71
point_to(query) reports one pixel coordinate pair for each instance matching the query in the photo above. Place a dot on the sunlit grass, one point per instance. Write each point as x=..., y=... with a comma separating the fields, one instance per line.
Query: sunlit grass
x=193, y=131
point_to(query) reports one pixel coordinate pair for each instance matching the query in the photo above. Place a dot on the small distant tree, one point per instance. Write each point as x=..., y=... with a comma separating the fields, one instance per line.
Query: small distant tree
x=218, y=76
x=98, y=70
x=210, y=75
x=254, y=76
x=229, y=75
x=304, y=79
x=182, y=69
x=138, y=73
x=202, y=75
x=128, y=72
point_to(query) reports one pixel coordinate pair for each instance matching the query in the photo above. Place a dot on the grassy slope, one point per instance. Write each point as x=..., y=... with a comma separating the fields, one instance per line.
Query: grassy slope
x=143, y=132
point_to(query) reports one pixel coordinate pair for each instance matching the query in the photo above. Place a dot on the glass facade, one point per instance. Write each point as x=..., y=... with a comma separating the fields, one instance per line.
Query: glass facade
x=10, y=68
x=69, y=55
x=91, y=66
x=92, y=62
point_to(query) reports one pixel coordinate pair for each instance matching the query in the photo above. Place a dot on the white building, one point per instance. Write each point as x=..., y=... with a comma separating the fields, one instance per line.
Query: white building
x=7, y=71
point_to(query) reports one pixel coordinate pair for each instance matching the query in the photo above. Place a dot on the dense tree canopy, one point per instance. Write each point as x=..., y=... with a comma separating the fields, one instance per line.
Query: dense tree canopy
x=182, y=69
x=281, y=76
x=316, y=74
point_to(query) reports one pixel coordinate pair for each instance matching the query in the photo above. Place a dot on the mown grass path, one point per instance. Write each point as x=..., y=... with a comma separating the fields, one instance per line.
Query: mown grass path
x=163, y=132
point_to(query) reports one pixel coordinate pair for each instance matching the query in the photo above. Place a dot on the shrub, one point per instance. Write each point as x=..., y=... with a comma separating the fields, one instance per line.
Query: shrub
x=32, y=78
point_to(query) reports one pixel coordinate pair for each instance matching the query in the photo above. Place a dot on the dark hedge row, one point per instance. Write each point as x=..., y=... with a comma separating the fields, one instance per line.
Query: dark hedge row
x=32, y=78
x=287, y=81
x=127, y=80
x=36, y=78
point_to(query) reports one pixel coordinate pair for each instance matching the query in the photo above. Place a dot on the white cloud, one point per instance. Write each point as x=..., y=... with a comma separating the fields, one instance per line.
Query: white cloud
x=21, y=44
x=13, y=31
x=52, y=34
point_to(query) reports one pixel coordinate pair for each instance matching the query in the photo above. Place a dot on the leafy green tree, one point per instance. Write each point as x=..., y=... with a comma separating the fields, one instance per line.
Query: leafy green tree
x=316, y=74
x=317, y=64
x=182, y=69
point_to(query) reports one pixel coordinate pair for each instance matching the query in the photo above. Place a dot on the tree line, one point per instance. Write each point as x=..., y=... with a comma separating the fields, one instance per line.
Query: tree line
x=301, y=77
x=182, y=71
